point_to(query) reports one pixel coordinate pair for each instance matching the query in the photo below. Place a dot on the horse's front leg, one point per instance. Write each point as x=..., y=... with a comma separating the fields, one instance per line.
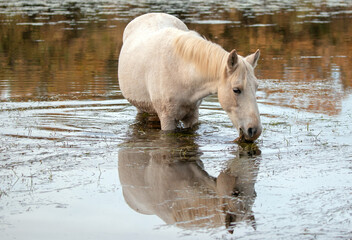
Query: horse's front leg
x=191, y=119
x=167, y=122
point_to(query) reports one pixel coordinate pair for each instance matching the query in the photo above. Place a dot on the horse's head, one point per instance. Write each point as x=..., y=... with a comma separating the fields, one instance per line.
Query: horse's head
x=237, y=94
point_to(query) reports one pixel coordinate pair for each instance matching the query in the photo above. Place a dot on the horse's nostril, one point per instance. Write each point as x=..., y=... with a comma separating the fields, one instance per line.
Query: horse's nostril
x=252, y=131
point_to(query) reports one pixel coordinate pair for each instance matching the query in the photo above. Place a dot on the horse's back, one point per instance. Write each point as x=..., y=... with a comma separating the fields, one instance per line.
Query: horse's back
x=151, y=23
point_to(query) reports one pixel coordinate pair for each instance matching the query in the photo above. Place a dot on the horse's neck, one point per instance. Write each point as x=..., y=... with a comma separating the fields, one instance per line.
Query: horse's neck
x=209, y=60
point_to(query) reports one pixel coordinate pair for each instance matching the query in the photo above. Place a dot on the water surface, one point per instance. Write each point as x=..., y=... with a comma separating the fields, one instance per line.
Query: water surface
x=77, y=163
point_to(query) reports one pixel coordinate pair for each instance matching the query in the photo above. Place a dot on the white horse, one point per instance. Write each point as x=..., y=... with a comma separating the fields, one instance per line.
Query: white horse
x=166, y=69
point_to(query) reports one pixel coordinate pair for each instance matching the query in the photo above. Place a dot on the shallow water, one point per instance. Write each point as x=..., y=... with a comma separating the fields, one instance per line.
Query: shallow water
x=77, y=163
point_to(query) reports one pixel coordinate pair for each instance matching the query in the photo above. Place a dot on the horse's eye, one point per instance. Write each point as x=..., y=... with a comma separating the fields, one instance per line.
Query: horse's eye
x=236, y=90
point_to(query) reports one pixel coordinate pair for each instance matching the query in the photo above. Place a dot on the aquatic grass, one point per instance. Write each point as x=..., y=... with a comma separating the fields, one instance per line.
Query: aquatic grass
x=182, y=134
x=14, y=172
x=250, y=148
x=3, y=193
x=279, y=154
x=50, y=175
x=315, y=136
x=278, y=123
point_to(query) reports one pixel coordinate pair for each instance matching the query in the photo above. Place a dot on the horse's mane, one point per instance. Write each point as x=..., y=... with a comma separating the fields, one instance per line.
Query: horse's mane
x=208, y=57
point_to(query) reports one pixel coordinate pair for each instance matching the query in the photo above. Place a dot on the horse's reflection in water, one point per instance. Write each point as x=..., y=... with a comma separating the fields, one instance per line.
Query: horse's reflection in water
x=164, y=176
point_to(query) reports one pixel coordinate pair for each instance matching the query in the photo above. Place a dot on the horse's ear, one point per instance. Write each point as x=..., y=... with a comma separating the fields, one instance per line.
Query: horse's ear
x=232, y=61
x=253, y=58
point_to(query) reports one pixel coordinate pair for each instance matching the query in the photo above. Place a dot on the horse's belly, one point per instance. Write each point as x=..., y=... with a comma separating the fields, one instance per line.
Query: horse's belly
x=143, y=106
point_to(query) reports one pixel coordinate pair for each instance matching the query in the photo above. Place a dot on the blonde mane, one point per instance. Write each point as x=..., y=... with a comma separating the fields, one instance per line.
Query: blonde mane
x=208, y=58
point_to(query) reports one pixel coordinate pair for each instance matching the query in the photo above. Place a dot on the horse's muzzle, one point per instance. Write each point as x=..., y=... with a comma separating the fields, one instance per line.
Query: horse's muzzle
x=249, y=135
x=252, y=133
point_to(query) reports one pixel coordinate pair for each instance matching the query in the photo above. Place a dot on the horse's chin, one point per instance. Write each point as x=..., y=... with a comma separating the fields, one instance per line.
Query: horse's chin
x=241, y=138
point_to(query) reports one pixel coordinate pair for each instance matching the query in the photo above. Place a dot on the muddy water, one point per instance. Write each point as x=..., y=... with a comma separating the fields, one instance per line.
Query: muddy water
x=77, y=163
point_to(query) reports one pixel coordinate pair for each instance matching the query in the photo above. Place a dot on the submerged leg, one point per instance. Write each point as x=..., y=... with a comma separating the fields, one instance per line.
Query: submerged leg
x=191, y=119
x=167, y=123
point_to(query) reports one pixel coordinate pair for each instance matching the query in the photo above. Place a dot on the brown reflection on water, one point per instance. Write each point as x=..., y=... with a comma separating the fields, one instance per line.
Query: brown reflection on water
x=59, y=59
x=304, y=64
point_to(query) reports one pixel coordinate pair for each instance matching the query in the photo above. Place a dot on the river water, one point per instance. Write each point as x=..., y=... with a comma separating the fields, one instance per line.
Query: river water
x=76, y=162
